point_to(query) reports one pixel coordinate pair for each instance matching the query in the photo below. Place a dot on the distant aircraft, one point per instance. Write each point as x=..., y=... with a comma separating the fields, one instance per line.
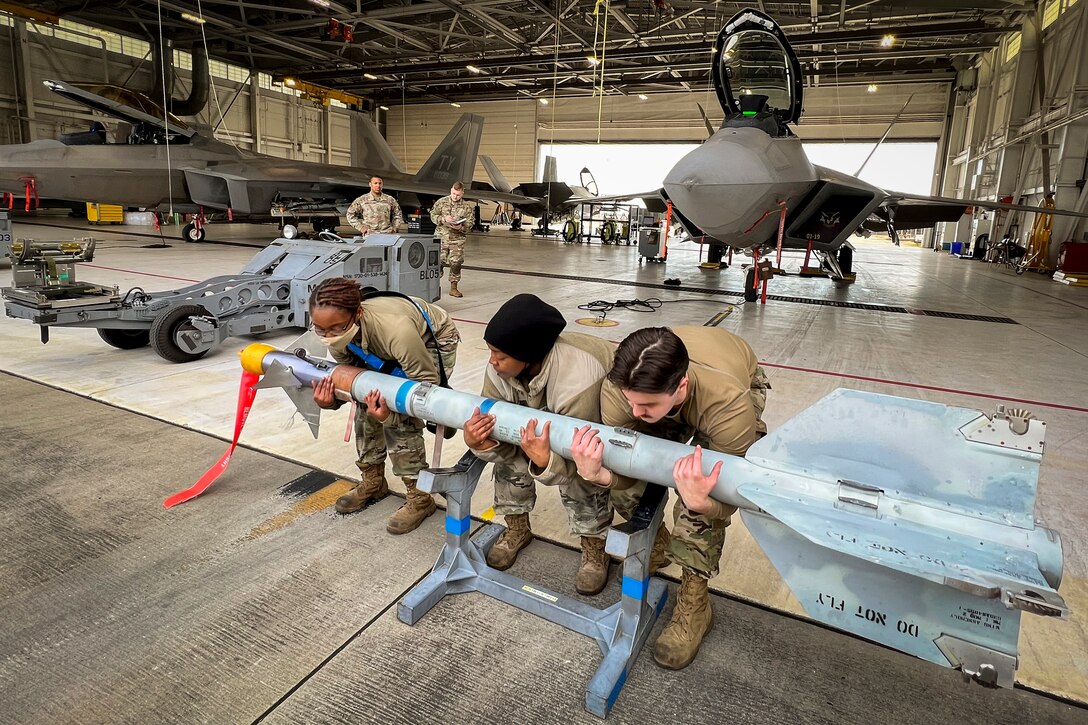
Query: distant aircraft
x=548, y=196
x=165, y=162
x=729, y=191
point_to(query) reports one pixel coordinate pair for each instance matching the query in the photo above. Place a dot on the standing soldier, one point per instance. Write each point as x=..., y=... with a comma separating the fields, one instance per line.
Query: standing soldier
x=375, y=212
x=450, y=215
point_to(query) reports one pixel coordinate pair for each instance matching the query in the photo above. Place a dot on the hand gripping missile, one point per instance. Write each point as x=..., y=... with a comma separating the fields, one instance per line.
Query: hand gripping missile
x=905, y=522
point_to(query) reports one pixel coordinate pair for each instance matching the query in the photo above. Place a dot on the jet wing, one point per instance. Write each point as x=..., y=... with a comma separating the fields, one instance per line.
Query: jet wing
x=122, y=104
x=895, y=195
x=911, y=214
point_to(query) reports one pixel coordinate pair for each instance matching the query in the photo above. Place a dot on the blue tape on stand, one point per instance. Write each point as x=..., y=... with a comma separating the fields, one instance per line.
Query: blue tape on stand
x=634, y=588
x=457, y=526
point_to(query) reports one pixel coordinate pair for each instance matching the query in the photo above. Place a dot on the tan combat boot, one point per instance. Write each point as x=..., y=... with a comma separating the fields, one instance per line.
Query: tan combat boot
x=372, y=488
x=691, y=620
x=593, y=573
x=658, y=557
x=454, y=292
x=416, y=507
x=517, y=536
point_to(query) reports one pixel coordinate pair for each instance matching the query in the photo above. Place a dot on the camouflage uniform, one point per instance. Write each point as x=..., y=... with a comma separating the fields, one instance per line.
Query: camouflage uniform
x=453, y=240
x=379, y=214
x=393, y=329
x=569, y=383
x=727, y=393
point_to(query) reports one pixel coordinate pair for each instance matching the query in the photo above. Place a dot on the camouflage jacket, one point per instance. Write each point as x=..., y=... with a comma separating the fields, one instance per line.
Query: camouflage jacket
x=569, y=383
x=456, y=209
x=380, y=215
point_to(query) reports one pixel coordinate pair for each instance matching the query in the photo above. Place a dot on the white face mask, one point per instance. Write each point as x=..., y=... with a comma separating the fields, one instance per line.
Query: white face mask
x=339, y=343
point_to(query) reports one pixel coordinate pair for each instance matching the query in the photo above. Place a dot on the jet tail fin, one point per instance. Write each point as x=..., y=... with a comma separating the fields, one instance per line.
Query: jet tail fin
x=551, y=175
x=374, y=153
x=455, y=158
x=497, y=179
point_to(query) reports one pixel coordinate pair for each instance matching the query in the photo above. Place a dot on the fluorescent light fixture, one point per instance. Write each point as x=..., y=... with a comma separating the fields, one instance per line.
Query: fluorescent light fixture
x=370, y=76
x=472, y=69
x=322, y=3
x=193, y=18
x=543, y=101
x=887, y=41
x=384, y=108
x=456, y=105
x=592, y=60
x=643, y=97
x=872, y=88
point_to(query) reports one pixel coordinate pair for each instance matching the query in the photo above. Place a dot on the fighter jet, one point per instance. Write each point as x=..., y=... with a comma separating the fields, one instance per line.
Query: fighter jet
x=165, y=163
x=730, y=190
x=549, y=195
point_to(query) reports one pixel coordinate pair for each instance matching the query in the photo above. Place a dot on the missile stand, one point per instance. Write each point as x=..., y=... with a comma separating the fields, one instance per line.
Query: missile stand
x=620, y=630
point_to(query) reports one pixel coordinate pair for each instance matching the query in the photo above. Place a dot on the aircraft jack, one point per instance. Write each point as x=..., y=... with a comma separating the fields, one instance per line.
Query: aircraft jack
x=620, y=630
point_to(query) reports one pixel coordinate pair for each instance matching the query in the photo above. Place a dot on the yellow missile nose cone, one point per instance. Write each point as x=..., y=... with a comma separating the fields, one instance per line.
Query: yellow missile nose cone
x=253, y=357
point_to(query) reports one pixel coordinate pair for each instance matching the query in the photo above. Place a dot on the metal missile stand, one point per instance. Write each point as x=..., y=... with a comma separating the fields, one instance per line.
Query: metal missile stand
x=620, y=630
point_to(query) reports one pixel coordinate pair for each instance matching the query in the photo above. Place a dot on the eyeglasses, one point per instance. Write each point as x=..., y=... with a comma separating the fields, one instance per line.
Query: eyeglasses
x=333, y=332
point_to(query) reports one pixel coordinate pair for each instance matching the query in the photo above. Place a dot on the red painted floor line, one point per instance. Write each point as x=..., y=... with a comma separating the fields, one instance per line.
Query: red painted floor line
x=884, y=381
x=145, y=274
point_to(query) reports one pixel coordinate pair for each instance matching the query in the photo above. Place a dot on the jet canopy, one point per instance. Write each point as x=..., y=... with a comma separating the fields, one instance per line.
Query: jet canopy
x=753, y=59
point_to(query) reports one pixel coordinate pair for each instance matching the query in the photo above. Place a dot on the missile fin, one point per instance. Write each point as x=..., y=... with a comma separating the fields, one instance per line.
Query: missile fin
x=983, y=569
x=915, y=450
x=890, y=607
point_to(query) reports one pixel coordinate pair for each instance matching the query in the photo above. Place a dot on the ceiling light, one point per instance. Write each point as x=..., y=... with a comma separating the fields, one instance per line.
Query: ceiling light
x=289, y=82
x=543, y=101
x=384, y=108
x=193, y=18
x=592, y=59
x=872, y=88
x=887, y=41
x=455, y=105
x=472, y=69
x=322, y=3
x=370, y=76
x=643, y=97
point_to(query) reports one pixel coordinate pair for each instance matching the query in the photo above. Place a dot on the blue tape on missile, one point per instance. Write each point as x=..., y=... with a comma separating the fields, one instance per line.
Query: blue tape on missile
x=634, y=588
x=457, y=526
x=401, y=401
x=487, y=405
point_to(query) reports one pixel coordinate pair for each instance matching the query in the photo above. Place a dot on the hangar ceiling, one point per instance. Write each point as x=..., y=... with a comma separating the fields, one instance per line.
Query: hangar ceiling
x=420, y=50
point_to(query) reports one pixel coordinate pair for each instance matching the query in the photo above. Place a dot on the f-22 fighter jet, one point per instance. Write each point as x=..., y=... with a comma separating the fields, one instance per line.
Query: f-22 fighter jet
x=165, y=162
x=730, y=190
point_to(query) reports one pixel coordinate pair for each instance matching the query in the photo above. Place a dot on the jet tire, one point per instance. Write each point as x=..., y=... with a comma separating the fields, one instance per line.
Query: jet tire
x=191, y=233
x=751, y=294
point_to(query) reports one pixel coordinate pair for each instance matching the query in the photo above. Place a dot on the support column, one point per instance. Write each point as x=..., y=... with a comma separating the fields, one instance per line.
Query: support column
x=255, y=125
x=1070, y=187
x=24, y=79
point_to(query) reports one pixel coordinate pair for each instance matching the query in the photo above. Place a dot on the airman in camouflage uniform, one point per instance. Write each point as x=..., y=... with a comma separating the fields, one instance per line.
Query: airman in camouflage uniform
x=375, y=212
x=691, y=383
x=450, y=215
x=534, y=365
x=392, y=329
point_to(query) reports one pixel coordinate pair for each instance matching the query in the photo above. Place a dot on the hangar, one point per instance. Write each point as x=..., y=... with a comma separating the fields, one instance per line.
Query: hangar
x=884, y=200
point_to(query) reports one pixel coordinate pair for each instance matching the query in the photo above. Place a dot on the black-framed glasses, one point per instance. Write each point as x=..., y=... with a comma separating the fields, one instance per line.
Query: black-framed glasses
x=333, y=332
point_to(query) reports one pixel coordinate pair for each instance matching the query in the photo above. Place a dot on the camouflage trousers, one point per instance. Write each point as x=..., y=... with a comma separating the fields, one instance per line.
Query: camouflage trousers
x=589, y=511
x=453, y=255
x=758, y=394
x=402, y=439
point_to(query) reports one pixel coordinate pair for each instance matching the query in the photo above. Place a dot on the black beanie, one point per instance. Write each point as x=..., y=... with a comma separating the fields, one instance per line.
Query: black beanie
x=525, y=328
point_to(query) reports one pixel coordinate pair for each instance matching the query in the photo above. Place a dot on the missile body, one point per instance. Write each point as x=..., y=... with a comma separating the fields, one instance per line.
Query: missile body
x=906, y=522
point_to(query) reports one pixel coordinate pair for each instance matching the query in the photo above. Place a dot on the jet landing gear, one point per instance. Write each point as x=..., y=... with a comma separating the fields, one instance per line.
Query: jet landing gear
x=194, y=230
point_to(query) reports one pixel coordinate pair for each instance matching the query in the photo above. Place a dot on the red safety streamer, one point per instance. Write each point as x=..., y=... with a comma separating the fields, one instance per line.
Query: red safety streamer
x=246, y=393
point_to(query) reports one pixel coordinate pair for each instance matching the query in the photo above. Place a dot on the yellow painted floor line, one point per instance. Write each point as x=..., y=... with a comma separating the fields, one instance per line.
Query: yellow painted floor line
x=316, y=501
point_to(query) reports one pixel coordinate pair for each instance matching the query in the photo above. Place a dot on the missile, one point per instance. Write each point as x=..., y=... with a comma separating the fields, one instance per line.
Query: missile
x=905, y=522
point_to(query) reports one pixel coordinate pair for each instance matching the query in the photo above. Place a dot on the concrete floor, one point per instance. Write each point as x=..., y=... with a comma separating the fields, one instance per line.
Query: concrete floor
x=80, y=548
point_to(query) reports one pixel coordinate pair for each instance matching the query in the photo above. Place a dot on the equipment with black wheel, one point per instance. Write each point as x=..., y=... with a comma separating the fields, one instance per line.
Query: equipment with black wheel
x=608, y=232
x=572, y=231
x=175, y=338
x=324, y=224
x=124, y=339
x=191, y=233
x=751, y=294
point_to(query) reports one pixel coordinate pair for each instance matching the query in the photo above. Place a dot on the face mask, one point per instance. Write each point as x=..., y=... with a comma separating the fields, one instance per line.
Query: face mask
x=339, y=343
